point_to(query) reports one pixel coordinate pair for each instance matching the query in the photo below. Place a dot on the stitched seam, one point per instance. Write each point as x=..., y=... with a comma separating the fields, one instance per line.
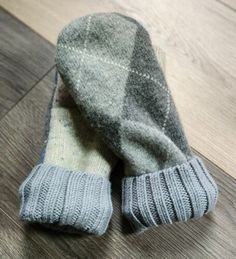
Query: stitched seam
x=167, y=111
x=146, y=76
x=86, y=39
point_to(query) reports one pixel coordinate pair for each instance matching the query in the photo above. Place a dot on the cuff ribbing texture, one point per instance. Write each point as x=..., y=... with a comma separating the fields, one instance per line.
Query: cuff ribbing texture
x=61, y=197
x=174, y=194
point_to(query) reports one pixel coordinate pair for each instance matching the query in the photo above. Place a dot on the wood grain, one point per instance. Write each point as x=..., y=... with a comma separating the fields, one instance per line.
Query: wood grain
x=21, y=133
x=14, y=242
x=24, y=58
x=198, y=38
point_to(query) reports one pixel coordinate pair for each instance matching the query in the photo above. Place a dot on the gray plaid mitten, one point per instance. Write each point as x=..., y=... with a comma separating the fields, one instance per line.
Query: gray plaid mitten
x=110, y=67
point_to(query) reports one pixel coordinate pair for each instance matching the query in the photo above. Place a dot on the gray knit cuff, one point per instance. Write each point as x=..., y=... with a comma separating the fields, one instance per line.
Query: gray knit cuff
x=174, y=194
x=63, y=198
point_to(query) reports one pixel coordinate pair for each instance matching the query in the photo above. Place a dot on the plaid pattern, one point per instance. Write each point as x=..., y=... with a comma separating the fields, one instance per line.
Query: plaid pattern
x=110, y=67
x=117, y=82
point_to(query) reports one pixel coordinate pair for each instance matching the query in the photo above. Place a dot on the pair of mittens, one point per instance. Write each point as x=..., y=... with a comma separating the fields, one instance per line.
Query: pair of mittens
x=108, y=65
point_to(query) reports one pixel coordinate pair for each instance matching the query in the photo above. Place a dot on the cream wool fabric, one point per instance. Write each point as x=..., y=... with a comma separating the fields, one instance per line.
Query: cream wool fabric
x=71, y=143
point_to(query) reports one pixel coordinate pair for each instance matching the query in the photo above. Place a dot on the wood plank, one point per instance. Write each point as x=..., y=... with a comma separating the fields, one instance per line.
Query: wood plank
x=21, y=131
x=48, y=18
x=198, y=38
x=14, y=242
x=24, y=58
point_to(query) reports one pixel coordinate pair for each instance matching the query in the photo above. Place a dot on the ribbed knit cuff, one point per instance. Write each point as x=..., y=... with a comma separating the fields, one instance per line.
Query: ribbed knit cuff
x=55, y=196
x=164, y=197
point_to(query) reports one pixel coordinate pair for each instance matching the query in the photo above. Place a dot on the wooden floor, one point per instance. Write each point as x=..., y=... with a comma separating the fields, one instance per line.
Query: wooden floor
x=198, y=41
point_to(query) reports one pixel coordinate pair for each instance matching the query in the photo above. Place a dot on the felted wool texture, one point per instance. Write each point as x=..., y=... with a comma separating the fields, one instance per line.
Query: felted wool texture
x=69, y=189
x=109, y=65
x=71, y=143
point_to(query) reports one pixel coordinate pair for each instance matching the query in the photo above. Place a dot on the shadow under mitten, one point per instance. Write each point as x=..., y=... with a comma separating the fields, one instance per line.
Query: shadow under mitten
x=69, y=189
x=110, y=67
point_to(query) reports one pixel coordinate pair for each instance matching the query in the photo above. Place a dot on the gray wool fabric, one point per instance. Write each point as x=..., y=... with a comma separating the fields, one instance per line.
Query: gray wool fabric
x=108, y=63
x=66, y=198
